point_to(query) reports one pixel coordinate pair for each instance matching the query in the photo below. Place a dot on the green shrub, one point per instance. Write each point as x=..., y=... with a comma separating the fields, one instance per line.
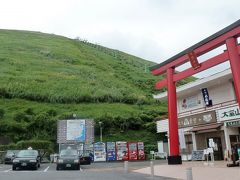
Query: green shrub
x=8, y=147
x=150, y=147
x=35, y=144
x=151, y=127
x=2, y=112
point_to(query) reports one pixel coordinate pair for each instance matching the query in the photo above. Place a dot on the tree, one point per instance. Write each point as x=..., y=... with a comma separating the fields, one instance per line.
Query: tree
x=2, y=112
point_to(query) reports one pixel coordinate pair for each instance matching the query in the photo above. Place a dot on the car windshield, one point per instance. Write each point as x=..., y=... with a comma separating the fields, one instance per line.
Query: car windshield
x=68, y=152
x=10, y=153
x=27, y=153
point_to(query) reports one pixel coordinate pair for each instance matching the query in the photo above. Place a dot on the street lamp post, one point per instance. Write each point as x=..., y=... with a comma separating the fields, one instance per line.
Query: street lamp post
x=100, y=125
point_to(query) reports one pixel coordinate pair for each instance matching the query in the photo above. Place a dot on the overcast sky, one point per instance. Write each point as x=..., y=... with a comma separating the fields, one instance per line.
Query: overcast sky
x=151, y=29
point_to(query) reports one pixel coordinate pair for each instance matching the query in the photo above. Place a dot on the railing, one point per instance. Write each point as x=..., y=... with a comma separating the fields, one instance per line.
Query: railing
x=203, y=109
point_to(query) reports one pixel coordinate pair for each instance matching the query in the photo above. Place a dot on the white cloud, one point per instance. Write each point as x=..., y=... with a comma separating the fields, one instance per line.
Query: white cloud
x=152, y=29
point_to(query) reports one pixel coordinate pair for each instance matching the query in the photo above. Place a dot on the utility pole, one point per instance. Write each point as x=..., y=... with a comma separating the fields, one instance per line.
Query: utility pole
x=100, y=125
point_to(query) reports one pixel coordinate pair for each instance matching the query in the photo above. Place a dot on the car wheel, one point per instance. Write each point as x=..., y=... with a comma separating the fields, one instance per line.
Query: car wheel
x=39, y=165
x=14, y=168
x=35, y=167
x=57, y=168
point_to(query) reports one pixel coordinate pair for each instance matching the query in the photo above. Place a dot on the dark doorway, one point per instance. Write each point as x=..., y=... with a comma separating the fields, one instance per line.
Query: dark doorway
x=218, y=153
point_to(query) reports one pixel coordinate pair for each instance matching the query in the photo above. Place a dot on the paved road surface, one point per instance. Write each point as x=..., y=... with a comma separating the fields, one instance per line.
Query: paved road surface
x=95, y=171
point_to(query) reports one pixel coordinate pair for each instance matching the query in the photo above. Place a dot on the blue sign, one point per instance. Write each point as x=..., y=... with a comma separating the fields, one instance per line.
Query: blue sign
x=206, y=99
x=111, y=151
x=76, y=130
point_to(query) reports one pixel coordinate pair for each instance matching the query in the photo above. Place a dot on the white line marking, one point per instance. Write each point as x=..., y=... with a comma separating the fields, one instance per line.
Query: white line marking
x=8, y=170
x=45, y=170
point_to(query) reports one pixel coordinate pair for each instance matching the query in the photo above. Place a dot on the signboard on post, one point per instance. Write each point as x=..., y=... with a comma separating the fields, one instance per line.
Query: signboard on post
x=198, y=155
x=211, y=143
x=75, y=131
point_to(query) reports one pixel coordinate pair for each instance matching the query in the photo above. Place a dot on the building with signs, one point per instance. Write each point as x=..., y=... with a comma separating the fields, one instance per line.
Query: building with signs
x=207, y=110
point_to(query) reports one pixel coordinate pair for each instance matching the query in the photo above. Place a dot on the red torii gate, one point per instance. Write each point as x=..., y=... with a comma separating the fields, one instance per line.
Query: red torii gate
x=226, y=36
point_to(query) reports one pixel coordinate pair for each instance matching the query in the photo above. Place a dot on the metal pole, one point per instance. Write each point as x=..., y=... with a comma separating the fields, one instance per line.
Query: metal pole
x=101, y=133
x=126, y=167
x=100, y=125
x=152, y=168
x=189, y=174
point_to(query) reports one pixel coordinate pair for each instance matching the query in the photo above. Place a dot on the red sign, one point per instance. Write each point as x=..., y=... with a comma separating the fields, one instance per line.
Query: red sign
x=193, y=60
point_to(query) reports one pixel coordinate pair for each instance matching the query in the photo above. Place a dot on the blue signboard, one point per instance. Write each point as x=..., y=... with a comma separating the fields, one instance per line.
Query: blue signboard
x=76, y=130
x=111, y=151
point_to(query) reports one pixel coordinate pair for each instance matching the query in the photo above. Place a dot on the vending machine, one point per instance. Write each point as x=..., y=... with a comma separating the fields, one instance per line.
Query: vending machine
x=133, y=150
x=111, y=151
x=122, y=151
x=99, y=151
x=141, y=153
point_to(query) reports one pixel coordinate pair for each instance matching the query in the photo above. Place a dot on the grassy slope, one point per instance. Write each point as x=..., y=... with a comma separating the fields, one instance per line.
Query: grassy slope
x=68, y=70
x=48, y=72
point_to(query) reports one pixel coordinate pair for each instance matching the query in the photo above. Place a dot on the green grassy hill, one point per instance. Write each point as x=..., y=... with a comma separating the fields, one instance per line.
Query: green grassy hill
x=50, y=68
x=44, y=77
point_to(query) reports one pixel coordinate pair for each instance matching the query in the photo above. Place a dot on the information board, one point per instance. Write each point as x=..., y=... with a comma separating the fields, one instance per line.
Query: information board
x=76, y=130
x=198, y=155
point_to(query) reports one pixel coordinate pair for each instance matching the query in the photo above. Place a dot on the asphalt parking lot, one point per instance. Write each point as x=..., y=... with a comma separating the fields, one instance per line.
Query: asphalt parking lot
x=95, y=171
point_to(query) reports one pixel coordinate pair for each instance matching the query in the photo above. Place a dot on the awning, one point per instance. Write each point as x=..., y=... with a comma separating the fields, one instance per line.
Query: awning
x=206, y=127
x=187, y=130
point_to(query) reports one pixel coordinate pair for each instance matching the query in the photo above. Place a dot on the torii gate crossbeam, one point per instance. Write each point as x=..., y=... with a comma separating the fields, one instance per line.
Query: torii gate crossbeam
x=227, y=36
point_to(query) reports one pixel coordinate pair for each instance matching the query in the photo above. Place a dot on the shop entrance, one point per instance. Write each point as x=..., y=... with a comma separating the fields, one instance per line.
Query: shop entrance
x=218, y=153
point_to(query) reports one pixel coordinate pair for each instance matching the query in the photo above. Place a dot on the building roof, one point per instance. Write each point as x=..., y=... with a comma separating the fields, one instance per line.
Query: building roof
x=195, y=86
x=190, y=49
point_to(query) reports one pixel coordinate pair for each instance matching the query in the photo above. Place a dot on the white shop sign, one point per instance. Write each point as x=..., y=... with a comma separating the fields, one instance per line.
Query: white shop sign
x=228, y=113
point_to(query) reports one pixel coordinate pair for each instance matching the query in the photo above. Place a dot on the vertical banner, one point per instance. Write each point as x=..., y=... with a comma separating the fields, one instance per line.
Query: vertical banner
x=141, y=153
x=206, y=99
x=132, y=151
x=182, y=138
x=99, y=151
x=122, y=150
x=111, y=151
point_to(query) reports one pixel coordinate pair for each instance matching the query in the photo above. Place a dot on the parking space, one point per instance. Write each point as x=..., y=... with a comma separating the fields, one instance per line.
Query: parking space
x=95, y=171
x=8, y=168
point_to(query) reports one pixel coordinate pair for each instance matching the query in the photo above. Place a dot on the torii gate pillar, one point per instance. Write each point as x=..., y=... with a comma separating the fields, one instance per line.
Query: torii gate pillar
x=174, y=157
